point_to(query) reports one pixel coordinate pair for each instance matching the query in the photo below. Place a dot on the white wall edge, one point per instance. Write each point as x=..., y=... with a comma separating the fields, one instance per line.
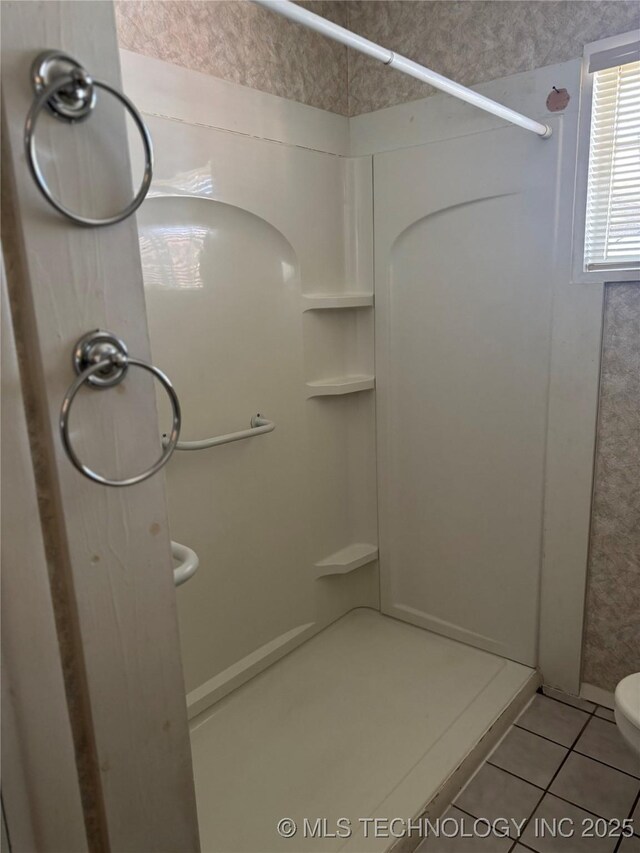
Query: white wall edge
x=574, y=384
x=169, y=91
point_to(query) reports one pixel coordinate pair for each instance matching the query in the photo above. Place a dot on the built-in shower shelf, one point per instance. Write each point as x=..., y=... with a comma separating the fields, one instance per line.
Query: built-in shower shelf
x=346, y=560
x=328, y=301
x=340, y=385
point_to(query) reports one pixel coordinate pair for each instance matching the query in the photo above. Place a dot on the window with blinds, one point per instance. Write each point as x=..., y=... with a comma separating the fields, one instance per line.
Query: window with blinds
x=612, y=233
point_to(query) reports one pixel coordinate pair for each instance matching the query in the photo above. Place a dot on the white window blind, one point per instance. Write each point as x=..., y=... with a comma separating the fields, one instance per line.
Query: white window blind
x=612, y=233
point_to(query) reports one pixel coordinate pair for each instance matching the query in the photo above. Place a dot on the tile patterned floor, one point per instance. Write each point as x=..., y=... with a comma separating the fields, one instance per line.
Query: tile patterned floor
x=562, y=760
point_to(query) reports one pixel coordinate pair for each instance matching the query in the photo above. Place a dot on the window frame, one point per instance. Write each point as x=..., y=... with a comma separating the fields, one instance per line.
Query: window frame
x=579, y=275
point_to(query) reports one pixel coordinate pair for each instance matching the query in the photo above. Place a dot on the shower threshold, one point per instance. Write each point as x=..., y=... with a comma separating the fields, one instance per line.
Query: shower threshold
x=368, y=719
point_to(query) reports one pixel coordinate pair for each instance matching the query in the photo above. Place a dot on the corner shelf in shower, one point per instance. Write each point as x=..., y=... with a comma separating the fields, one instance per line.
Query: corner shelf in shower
x=340, y=385
x=333, y=301
x=346, y=560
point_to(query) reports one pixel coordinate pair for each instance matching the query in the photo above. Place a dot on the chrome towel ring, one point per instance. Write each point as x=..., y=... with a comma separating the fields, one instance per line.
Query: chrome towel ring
x=64, y=88
x=101, y=361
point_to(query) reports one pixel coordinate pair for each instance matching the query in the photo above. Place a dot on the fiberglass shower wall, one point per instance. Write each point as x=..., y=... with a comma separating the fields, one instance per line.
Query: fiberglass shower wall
x=259, y=267
x=255, y=304
x=477, y=379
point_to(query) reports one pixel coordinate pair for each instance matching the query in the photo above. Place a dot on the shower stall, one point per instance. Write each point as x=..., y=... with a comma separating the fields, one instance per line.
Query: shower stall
x=378, y=502
x=383, y=290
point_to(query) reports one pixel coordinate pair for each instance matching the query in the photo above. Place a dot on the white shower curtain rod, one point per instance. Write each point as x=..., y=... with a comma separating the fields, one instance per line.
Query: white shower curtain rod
x=321, y=25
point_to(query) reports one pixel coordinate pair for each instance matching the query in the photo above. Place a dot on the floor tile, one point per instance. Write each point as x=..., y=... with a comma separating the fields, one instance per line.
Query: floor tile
x=630, y=845
x=605, y=713
x=493, y=794
x=460, y=844
x=554, y=720
x=575, y=701
x=595, y=787
x=550, y=809
x=603, y=741
x=529, y=756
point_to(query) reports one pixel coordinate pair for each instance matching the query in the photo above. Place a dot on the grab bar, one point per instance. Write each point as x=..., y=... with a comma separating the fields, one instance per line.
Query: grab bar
x=188, y=565
x=259, y=426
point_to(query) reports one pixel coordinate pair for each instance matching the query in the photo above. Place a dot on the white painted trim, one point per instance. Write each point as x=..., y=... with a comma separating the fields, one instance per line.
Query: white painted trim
x=40, y=790
x=169, y=91
x=108, y=550
x=574, y=378
x=578, y=273
x=597, y=695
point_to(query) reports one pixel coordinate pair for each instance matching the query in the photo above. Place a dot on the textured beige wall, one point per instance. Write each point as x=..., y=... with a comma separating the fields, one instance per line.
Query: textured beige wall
x=612, y=634
x=241, y=42
x=472, y=41
x=469, y=40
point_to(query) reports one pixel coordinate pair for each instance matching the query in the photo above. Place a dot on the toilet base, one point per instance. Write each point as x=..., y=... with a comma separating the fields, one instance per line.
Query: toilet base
x=627, y=710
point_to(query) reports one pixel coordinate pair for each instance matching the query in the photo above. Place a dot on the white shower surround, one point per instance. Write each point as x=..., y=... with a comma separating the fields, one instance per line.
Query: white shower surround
x=178, y=94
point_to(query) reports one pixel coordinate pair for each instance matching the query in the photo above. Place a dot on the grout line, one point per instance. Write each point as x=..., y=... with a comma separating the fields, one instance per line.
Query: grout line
x=568, y=704
x=546, y=791
x=633, y=807
x=533, y=811
x=589, y=714
x=464, y=811
x=515, y=775
x=582, y=808
x=630, y=815
x=509, y=837
x=560, y=766
x=558, y=796
x=538, y=801
x=575, y=707
x=570, y=750
x=606, y=719
x=605, y=764
x=544, y=737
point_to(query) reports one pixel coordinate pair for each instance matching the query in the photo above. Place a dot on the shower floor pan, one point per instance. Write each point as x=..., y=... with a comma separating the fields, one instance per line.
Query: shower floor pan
x=367, y=719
